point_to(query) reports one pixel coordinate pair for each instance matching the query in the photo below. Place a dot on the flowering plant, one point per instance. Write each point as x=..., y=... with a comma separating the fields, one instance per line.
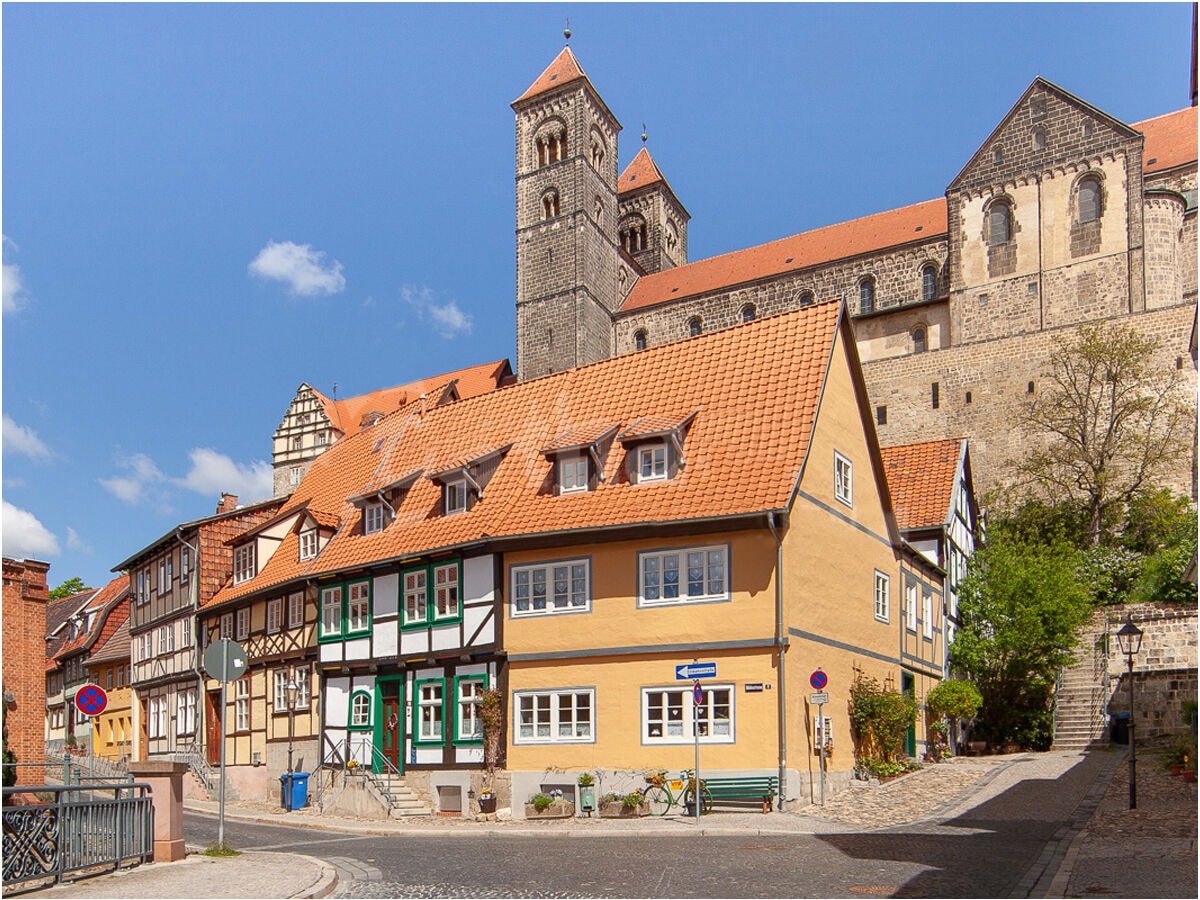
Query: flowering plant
x=555, y=794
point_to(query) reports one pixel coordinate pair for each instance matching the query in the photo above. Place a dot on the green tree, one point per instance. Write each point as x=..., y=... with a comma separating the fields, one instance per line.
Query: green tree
x=68, y=587
x=1109, y=422
x=1020, y=606
x=879, y=719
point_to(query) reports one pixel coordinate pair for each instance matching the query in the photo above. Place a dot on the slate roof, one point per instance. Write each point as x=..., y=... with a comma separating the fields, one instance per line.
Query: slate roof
x=754, y=390
x=922, y=478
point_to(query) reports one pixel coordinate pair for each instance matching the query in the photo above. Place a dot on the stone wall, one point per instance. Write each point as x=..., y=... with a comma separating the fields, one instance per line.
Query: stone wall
x=1164, y=672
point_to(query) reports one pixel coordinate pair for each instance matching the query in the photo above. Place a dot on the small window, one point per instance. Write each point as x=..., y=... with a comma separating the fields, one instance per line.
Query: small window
x=866, y=295
x=295, y=610
x=331, y=612
x=358, y=608
x=445, y=592
x=1039, y=139
x=695, y=326
x=226, y=627
x=360, y=711
x=430, y=713
x=807, y=298
x=1088, y=200
x=928, y=282
x=749, y=313
x=881, y=415
x=373, y=518
x=274, y=615
x=927, y=616
x=639, y=340
x=468, y=695
x=919, y=339
x=185, y=565
x=999, y=224
x=843, y=479
x=454, y=495
x=572, y=473
x=308, y=543
x=297, y=443
x=997, y=156
x=243, y=563
x=416, y=596
x=241, y=705
x=294, y=475
x=883, y=588
x=935, y=395
x=550, y=205
x=910, y=607
x=243, y=623
x=652, y=462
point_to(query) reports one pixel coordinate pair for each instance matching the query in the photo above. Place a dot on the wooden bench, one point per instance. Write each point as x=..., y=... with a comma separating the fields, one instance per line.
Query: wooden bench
x=756, y=790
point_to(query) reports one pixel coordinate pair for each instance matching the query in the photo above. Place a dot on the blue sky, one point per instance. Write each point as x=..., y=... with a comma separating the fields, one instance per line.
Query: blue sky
x=206, y=205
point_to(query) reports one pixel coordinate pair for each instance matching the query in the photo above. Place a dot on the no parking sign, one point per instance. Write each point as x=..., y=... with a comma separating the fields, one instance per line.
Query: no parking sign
x=91, y=700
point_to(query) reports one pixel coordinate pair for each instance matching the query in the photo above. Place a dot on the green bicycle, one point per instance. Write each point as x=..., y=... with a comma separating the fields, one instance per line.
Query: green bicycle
x=661, y=793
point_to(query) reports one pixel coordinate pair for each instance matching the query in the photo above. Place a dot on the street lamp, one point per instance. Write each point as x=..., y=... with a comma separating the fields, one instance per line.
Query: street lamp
x=1130, y=640
x=290, y=691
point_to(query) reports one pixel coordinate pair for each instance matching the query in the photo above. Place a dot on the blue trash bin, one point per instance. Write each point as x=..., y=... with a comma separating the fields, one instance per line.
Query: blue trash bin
x=293, y=795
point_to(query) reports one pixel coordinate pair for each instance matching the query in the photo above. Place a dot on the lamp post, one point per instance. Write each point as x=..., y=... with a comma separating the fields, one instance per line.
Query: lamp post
x=1130, y=640
x=290, y=690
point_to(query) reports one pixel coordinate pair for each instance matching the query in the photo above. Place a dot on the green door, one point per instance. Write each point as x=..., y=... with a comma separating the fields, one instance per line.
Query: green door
x=907, y=686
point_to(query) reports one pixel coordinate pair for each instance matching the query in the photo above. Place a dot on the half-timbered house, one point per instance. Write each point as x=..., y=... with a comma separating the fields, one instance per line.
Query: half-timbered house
x=168, y=581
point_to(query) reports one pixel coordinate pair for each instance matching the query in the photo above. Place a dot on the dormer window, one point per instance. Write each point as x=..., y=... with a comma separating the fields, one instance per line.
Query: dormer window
x=243, y=564
x=652, y=462
x=655, y=447
x=572, y=473
x=454, y=496
x=374, y=518
x=579, y=455
x=463, y=483
x=308, y=544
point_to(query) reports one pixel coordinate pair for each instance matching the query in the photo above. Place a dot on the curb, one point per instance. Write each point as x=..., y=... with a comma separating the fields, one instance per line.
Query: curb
x=324, y=886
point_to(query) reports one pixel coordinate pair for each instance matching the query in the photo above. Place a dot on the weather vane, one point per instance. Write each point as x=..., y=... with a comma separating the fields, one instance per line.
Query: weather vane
x=567, y=31
x=643, y=132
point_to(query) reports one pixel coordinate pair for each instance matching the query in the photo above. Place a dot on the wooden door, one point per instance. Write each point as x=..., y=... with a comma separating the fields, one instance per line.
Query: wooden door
x=392, y=731
x=212, y=727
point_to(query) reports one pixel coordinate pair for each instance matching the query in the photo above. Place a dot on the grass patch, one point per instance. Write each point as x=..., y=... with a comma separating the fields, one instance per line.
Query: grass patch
x=218, y=849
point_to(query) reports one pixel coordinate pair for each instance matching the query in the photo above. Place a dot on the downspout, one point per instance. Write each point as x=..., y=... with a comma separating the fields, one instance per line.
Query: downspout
x=781, y=648
x=194, y=592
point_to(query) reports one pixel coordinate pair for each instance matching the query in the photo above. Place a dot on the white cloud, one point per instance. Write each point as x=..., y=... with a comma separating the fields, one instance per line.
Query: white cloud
x=14, y=288
x=144, y=482
x=75, y=542
x=24, y=440
x=215, y=473
x=25, y=537
x=300, y=267
x=446, y=318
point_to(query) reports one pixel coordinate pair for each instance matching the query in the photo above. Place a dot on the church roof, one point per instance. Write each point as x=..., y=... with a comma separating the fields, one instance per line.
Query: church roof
x=745, y=448
x=922, y=478
x=563, y=70
x=919, y=222
x=1170, y=140
x=639, y=173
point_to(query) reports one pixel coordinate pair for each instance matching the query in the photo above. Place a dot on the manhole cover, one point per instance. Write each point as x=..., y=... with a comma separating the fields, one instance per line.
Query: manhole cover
x=875, y=890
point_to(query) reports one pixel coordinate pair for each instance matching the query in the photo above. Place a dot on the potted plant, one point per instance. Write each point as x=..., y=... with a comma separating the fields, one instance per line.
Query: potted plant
x=491, y=717
x=549, y=806
x=622, y=806
x=587, y=792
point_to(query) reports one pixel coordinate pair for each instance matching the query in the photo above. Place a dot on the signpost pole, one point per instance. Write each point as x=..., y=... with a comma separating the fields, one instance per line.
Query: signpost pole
x=697, y=696
x=221, y=816
x=821, y=719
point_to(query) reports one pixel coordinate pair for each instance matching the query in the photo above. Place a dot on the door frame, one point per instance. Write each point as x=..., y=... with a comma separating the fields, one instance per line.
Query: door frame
x=377, y=732
x=908, y=686
x=212, y=717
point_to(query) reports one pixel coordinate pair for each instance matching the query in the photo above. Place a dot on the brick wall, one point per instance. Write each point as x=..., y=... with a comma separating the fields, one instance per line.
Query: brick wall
x=24, y=667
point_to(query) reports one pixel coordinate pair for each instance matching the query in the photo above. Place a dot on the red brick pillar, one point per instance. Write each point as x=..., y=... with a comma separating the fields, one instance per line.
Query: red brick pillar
x=24, y=615
x=166, y=787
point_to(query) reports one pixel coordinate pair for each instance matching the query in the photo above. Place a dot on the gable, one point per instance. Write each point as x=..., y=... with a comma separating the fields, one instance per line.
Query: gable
x=1073, y=130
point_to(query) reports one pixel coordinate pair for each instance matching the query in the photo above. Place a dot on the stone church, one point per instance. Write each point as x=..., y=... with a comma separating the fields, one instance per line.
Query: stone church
x=1064, y=215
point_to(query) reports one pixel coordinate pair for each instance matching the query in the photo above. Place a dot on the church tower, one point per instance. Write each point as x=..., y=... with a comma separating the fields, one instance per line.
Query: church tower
x=567, y=254
x=652, y=227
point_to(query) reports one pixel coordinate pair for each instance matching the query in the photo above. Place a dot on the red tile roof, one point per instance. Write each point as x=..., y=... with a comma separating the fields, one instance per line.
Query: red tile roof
x=639, y=173
x=922, y=478
x=920, y=222
x=563, y=70
x=108, y=596
x=1170, y=140
x=114, y=645
x=754, y=387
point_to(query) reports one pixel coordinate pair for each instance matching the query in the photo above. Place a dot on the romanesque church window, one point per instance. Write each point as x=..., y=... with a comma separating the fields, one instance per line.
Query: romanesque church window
x=597, y=149
x=695, y=326
x=999, y=224
x=1088, y=200
x=551, y=145
x=639, y=340
x=806, y=298
x=748, y=312
x=866, y=295
x=1039, y=139
x=549, y=205
x=919, y=339
x=928, y=282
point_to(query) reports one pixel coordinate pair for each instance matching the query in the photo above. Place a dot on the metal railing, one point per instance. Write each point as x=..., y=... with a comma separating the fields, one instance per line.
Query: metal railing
x=338, y=757
x=52, y=831
x=194, y=756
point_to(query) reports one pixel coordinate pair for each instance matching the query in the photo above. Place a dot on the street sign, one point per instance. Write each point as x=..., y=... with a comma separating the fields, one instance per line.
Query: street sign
x=224, y=660
x=819, y=699
x=692, y=671
x=754, y=687
x=91, y=700
x=818, y=680
x=697, y=694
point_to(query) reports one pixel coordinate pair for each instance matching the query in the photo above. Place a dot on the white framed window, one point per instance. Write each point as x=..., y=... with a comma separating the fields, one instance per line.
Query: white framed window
x=572, y=473
x=360, y=710
x=557, y=587
x=227, y=625
x=669, y=715
x=274, y=615
x=243, y=563
x=303, y=692
x=843, y=479
x=358, y=607
x=281, y=680
x=927, y=616
x=295, y=610
x=445, y=591
x=153, y=726
x=294, y=475
x=185, y=633
x=166, y=639
x=430, y=711
x=911, y=591
x=108, y=679
x=243, y=623
x=454, y=494
x=685, y=575
x=164, y=584
x=468, y=693
x=143, y=586
x=241, y=704
x=185, y=713
x=652, y=462
x=554, y=717
x=883, y=594
x=331, y=611
x=185, y=565
x=308, y=543
x=373, y=518
x=416, y=596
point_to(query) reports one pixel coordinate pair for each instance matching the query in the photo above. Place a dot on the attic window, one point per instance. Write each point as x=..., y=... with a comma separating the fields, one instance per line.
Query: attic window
x=652, y=462
x=308, y=543
x=243, y=563
x=655, y=448
x=454, y=496
x=579, y=457
x=789, y=259
x=375, y=518
x=572, y=473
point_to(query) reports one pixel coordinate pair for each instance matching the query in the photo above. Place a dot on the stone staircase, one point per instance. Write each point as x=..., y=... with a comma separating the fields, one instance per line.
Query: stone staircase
x=398, y=798
x=1081, y=717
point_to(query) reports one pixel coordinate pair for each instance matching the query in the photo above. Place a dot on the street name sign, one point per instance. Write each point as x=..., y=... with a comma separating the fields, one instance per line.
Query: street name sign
x=691, y=671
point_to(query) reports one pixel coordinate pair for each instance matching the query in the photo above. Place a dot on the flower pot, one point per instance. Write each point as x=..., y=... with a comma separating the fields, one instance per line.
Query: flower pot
x=1176, y=768
x=559, y=809
x=1188, y=775
x=615, y=809
x=487, y=804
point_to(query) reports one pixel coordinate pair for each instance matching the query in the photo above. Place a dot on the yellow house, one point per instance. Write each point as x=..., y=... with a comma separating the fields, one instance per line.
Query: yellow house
x=108, y=666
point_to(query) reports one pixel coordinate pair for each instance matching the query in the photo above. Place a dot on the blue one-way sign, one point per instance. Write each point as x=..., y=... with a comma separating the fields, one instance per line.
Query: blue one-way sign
x=695, y=670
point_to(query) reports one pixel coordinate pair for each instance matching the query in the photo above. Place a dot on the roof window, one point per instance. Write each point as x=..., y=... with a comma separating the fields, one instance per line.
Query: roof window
x=655, y=447
x=463, y=482
x=579, y=457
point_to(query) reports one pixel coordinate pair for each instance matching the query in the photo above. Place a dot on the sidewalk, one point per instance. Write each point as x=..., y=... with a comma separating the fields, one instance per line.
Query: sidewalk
x=1093, y=845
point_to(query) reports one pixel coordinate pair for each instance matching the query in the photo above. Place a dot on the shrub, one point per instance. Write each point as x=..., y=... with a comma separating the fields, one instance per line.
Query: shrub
x=953, y=700
x=541, y=802
x=632, y=800
x=879, y=718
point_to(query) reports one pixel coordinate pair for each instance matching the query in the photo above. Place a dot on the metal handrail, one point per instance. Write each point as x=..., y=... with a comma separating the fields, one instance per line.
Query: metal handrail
x=198, y=764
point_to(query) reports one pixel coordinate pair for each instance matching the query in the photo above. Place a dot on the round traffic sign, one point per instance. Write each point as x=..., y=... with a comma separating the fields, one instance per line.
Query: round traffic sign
x=91, y=700
x=818, y=680
x=224, y=660
x=697, y=694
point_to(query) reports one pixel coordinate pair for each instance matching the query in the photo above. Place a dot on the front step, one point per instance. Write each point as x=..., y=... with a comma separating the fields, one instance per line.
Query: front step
x=404, y=802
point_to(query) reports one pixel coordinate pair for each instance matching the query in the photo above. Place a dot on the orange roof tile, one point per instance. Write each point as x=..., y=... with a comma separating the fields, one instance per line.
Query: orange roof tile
x=919, y=222
x=756, y=388
x=922, y=478
x=563, y=70
x=1170, y=140
x=347, y=414
x=639, y=173
x=104, y=597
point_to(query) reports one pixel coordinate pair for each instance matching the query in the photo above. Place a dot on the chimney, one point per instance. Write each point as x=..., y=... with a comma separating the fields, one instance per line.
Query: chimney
x=227, y=503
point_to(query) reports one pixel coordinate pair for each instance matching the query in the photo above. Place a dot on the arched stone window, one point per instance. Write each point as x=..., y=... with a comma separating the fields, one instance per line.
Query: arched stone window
x=1088, y=200
x=919, y=339
x=598, y=148
x=997, y=155
x=866, y=295
x=672, y=235
x=695, y=326
x=807, y=298
x=550, y=142
x=928, y=281
x=1039, y=139
x=639, y=339
x=550, y=204
x=749, y=313
x=633, y=234
x=999, y=224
